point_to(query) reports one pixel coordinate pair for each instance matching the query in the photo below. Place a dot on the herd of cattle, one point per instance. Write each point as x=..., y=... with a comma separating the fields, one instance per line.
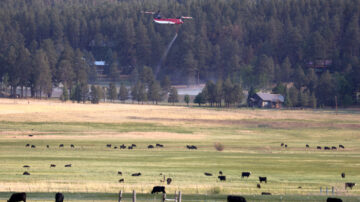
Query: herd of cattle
x=318, y=147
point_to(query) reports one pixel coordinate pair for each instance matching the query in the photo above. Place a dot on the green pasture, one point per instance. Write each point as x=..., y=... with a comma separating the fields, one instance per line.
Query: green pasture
x=293, y=173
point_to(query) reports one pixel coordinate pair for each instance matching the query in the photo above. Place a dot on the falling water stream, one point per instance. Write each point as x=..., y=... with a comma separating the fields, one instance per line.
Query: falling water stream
x=165, y=54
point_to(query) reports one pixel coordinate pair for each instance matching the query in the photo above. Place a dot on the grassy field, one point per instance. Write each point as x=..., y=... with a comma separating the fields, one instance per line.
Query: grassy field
x=251, y=140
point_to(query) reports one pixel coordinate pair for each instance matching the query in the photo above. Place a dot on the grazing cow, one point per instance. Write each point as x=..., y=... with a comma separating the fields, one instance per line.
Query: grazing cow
x=157, y=189
x=286, y=146
x=61, y=145
x=26, y=173
x=191, y=147
x=258, y=186
x=263, y=179
x=119, y=173
x=333, y=148
x=121, y=180
x=333, y=200
x=168, y=180
x=349, y=184
x=26, y=166
x=150, y=147
x=282, y=144
x=299, y=187
x=318, y=147
x=130, y=147
x=33, y=146
x=222, y=178
x=327, y=148
x=115, y=147
x=207, y=174
x=122, y=146
x=159, y=145
x=265, y=193
x=47, y=146
x=136, y=174
x=59, y=197
x=31, y=135
x=133, y=145
x=27, y=145
x=343, y=175
x=72, y=146
x=220, y=172
x=245, y=174
x=108, y=145
x=52, y=165
x=232, y=198
x=307, y=146
x=16, y=197
x=67, y=165
x=341, y=146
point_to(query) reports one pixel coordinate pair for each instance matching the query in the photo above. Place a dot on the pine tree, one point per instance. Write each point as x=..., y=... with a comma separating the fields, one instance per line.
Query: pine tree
x=173, y=96
x=95, y=99
x=187, y=99
x=200, y=99
x=112, y=92
x=123, y=93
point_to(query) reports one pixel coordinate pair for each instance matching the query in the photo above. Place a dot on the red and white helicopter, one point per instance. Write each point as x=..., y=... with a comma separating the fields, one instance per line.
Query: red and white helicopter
x=167, y=21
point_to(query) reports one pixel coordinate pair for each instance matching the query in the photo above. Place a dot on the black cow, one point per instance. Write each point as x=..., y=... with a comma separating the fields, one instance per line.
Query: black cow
x=72, y=146
x=121, y=180
x=245, y=174
x=159, y=145
x=327, y=148
x=33, y=146
x=108, y=145
x=307, y=146
x=47, y=146
x=130, y=147
x=333, y=200
x=220, y=172
x=265, y=193
x=286, y=146
x=61, y=145
x=150, y=147
x=31, y=135
x=349, y=184
x=67, y=165
x=341, y=146
x=168, y=180
x=333, y=148
x=282, y=144
x=119, y=173
x=263, y=179
x=18, y=197
x=27, y=145
x=133, y=145
x=343, y=175
x=26, y=173
x=258, y=186
x=232, y=198
x=52, y=165
x=136, y=174
x=207, y=174
x=222, y=178
x=26, y=166
x=191, y=147
x=318, y=147
x=157, y=189
x=122, y=146
x=59, y=197
x=115, y=147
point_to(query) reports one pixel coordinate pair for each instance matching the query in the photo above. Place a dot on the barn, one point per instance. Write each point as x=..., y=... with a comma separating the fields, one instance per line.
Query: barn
x=267, y=100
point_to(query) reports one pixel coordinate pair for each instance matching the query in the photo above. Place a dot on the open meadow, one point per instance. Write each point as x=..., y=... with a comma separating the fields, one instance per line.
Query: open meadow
x=251, y=139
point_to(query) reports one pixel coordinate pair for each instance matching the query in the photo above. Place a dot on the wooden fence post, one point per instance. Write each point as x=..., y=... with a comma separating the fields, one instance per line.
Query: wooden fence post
x=134, y=196
x=164, y=197
x=120, y=196
x=179, y=196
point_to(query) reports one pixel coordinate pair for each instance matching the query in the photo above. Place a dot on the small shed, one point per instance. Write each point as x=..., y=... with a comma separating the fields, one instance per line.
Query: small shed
x=267, y=100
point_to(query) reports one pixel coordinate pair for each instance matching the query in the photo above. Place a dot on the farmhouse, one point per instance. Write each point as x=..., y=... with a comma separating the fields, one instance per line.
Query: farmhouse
x=267, y=100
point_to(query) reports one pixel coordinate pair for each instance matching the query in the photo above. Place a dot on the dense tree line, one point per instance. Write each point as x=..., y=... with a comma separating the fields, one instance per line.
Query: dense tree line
x=253, y=43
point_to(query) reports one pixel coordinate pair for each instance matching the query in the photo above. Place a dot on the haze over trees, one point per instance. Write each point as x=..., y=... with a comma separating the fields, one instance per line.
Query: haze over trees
x=246, y=43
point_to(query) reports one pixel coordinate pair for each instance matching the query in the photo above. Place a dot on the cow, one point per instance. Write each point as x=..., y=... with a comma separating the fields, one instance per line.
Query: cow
x=27, y=145
x=258, y=186
x=168, y=180
x=150, y=147
x=263, y=179
x=222, y=178
x=318, y=147
x=333, y=200
x=286, y=146
x=121, y=180
x=108, y=145
x=133, y=145
x=220, y=172
x=349, y=184
x=157, y=189
x=130, y=147
x=307, y=146
x=326, y=148
x=207, y=174
x=47, y=146
x=31, y=135
x=26, y=173
x=119, y=173
x=159, y=145
x=72, y=146
x=59, y=197
x=15, y=197
x=245, y=174
x=333, y=148
x=232, y=198
x=115, y=147
x=67, y=165
x=26, y=166
x=136, y=174
x=265, y=193
x=122, y=146
x=52, y=165
x=341, y=146
x=33, y=146
x=61, y=145
x=282, y=144
x=191, y=147
x=343, y=175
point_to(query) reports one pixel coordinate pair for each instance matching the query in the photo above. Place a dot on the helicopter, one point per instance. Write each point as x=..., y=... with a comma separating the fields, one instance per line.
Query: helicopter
x=167, y=21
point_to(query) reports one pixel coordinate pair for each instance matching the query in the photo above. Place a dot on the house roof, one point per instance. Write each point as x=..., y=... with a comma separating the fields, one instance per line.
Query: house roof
x=99, y=63
x=271, y=97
